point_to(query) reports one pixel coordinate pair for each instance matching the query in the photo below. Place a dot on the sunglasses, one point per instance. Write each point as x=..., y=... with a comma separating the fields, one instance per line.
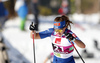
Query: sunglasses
x=58, y=30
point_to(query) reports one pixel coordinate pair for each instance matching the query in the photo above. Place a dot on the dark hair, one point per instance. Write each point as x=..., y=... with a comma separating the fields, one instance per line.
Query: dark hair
x=64, y=18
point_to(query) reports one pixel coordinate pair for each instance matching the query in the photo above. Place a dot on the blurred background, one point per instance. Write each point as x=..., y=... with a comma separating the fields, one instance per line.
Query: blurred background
x=16, y=46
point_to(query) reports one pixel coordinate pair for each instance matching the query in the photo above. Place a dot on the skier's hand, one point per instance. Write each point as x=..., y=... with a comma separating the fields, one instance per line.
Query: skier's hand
x=69, y=36
x=32, y=26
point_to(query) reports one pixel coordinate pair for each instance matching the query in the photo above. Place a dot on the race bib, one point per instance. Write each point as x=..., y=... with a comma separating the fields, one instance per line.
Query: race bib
x=62, y=49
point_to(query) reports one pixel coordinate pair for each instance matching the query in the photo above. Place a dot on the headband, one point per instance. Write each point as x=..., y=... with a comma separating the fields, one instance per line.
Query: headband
x=59, y=25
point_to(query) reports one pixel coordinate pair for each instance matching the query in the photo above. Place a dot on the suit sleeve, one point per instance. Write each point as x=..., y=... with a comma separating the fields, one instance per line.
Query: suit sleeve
x=46, y=33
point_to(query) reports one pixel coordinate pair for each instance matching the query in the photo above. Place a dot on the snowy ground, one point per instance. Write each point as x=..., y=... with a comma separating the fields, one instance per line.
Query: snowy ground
x=21, y=45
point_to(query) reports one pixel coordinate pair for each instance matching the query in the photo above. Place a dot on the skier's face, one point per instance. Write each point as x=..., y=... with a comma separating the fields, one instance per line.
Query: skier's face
x=60, y=31
x=59, y=27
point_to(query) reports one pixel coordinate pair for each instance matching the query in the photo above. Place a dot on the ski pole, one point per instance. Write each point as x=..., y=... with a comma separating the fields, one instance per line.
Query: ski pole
x=34, y=49
x=78, y=52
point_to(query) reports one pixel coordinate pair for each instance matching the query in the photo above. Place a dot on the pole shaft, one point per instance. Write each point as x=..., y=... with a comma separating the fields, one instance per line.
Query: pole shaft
x=78, y=52
x=34, y=49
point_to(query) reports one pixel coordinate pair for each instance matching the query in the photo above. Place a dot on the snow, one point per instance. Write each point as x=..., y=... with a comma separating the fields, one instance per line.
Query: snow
x=20, y=45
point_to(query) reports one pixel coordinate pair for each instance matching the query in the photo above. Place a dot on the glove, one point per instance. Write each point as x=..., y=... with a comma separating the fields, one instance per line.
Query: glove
x=69, y=36
x=32, y=27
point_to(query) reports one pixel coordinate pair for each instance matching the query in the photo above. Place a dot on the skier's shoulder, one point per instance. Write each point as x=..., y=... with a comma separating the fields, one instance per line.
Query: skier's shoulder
x=46, y=33
x=51, y=29
x=68, y=31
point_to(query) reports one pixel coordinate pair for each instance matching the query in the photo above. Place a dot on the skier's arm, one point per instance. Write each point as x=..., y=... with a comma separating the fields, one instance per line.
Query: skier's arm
x=74, y=38
x=40, y=35
x=36, y=35
x=79, y=43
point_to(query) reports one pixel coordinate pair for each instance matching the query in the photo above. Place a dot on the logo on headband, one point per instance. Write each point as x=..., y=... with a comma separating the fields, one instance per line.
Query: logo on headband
x=56, y=24
x=59, y=24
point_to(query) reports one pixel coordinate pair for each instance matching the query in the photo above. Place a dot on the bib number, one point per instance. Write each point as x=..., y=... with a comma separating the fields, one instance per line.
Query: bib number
x=62, y=49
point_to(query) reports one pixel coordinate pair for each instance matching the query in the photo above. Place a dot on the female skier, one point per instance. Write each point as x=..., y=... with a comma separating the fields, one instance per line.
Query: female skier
x=61, y=38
